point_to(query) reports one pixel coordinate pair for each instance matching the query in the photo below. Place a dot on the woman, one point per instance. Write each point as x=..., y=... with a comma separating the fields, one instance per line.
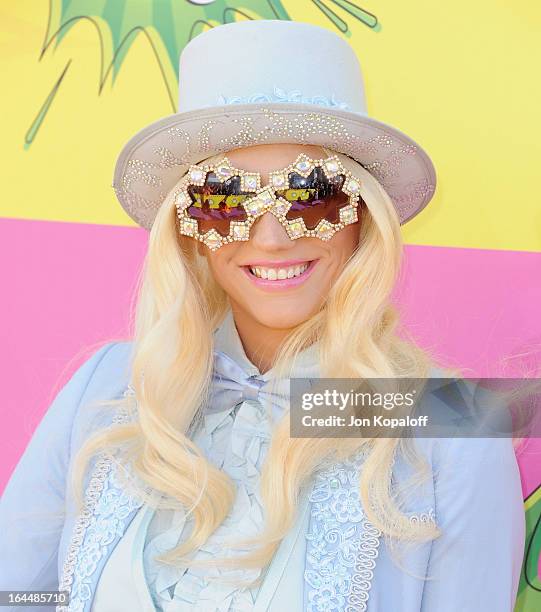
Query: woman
x=274, y=247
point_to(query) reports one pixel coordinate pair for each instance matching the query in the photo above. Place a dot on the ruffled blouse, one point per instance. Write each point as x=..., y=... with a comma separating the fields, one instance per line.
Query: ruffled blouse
x=235, y=439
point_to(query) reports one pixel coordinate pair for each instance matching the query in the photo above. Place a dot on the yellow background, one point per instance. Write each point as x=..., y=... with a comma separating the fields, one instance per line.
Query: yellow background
x=461, y=78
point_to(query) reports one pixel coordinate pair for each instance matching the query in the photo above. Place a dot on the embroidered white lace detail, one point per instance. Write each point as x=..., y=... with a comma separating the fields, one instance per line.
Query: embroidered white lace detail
x=424, y=517
x=281, y=95
x=106, y=503
x=342, y=543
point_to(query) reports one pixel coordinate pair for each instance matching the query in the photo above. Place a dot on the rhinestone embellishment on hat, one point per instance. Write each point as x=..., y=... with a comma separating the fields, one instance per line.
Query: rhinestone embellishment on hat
x=151, y=171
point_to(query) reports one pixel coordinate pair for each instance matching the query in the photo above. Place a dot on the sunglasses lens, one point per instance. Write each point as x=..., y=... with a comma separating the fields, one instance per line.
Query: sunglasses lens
x=315, y=197
x=215, y=204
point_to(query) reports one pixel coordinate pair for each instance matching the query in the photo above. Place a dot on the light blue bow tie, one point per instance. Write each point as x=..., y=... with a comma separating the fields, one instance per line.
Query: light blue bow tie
x=231, y=386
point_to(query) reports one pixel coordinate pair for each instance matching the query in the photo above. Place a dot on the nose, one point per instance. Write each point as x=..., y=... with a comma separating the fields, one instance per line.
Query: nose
x=268, y=234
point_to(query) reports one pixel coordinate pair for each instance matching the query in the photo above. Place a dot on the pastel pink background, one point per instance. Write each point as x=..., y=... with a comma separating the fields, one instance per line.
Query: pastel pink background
x=67, y=289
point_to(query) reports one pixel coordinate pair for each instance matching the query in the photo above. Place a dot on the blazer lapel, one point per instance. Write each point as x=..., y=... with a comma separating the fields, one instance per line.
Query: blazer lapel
x=275, y=593
x=107, y=512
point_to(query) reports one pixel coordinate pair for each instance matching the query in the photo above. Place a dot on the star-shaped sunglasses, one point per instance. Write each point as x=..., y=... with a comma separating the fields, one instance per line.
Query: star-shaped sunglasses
x=217, y=204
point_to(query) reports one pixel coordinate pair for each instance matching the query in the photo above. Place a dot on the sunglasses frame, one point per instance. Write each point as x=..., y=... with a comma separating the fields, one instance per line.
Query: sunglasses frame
x=264, y=200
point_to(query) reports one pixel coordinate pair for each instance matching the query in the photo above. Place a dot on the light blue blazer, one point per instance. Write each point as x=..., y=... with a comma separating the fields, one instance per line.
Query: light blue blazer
x=474, y=495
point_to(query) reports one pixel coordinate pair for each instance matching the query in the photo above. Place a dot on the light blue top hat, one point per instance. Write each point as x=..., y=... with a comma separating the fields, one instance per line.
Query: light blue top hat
x=269, y=81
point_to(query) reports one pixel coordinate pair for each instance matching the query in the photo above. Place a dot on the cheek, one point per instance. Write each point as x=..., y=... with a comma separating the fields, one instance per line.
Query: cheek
x=345, y=242
x=352, y=235
x=217, y=267
x=220, y=266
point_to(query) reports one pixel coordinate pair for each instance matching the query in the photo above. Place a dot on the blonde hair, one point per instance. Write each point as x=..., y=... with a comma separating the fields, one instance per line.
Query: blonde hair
x=178, y=308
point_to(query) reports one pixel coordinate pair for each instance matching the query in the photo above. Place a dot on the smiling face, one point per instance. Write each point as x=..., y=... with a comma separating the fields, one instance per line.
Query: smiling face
x=272, y=281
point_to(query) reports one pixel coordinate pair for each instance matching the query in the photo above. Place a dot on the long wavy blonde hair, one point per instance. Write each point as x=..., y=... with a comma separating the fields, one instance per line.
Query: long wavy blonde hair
x=179, y=306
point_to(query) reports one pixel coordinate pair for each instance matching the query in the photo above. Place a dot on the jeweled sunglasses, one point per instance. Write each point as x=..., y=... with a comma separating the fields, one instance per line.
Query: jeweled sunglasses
x=218, y=203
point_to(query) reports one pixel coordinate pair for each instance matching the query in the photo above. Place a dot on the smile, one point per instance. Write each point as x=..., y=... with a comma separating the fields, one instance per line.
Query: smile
x=279, y=275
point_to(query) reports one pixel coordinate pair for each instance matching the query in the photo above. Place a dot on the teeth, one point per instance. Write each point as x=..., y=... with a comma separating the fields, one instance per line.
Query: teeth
x=278, y=273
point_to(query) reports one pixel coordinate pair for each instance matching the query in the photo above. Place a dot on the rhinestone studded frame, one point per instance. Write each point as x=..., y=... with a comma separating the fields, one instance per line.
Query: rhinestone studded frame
x=264, y=200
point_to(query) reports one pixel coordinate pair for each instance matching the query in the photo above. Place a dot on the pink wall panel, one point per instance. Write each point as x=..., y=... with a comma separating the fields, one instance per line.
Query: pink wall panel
x=67, y=288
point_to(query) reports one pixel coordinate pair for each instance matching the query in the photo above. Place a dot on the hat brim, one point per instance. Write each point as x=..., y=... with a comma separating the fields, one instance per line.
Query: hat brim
x=153, y=160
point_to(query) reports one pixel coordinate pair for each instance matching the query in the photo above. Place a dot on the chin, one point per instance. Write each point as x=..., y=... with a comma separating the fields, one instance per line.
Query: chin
x=286, y=319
